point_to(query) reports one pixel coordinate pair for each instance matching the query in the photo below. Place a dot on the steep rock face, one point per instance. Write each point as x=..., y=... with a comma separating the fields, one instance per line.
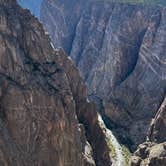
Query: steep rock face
x=86, y=112
x=64, y=17
x=38, y=120
x=142, y=92
x=158, y=126
x=120, y=52
x=153, y=152
x=34, y=6
x=38, y=91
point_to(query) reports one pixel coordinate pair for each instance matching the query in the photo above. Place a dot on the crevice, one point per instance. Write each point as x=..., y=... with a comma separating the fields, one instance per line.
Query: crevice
x=135, y=56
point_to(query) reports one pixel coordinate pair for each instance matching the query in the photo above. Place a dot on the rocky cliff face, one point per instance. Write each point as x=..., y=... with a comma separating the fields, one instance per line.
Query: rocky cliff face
x=42, y=99
x=86, y=112
x=120, y=52
x=34, y=6
x=158, y=125
x=153, y=152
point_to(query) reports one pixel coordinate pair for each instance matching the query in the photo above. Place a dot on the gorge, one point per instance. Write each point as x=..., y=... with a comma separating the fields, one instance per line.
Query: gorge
x=119, y=50
x=48, y=116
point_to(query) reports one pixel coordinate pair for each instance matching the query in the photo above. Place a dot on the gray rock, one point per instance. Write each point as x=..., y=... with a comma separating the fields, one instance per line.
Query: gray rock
x=156, y=155
x=42, y=99
x=120, y=52
x=158, y=125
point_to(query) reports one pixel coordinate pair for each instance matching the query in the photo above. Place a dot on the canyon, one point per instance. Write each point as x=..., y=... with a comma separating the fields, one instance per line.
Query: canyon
x=48, y=116
x=119, y=49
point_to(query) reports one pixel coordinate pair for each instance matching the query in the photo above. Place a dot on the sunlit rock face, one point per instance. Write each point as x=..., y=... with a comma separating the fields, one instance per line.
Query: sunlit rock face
x=44, y=113
x=120, y=52
x=36, y=115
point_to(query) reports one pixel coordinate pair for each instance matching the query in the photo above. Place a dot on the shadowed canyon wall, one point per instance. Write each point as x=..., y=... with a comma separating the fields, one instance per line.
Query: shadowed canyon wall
x=119, y=50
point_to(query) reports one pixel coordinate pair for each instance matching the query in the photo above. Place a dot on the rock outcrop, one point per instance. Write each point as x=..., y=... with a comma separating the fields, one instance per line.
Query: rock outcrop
x=153, y=152
x=120, y=52
x=44, y=114
x=158, y=125
x=34, y=6
x=149, y=154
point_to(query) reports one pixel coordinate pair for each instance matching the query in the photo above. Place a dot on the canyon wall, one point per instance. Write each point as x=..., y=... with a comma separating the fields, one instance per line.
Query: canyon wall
x=45, y=117
x=153, y=152
x=34, y=6
x=119, y=50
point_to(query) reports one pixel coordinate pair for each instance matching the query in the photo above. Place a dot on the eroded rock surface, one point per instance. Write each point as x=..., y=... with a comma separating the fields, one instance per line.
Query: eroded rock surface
x=149, y=154
x=34, y=6
x=86, y=111
x=120, y=52
x=42, y=99
x=153, y=152
x=158, y=126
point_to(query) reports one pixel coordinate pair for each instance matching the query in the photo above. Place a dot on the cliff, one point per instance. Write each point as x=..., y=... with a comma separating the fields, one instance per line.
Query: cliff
x=119, y=50
x=44, y=114
x=34, y=6
x=153, y=152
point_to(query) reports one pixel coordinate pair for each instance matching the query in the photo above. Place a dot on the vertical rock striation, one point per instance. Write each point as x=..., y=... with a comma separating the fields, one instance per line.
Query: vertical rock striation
x=120, y=52
x=158, y=125
x=149, y=154
x=42, y=99
x=86, y=112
